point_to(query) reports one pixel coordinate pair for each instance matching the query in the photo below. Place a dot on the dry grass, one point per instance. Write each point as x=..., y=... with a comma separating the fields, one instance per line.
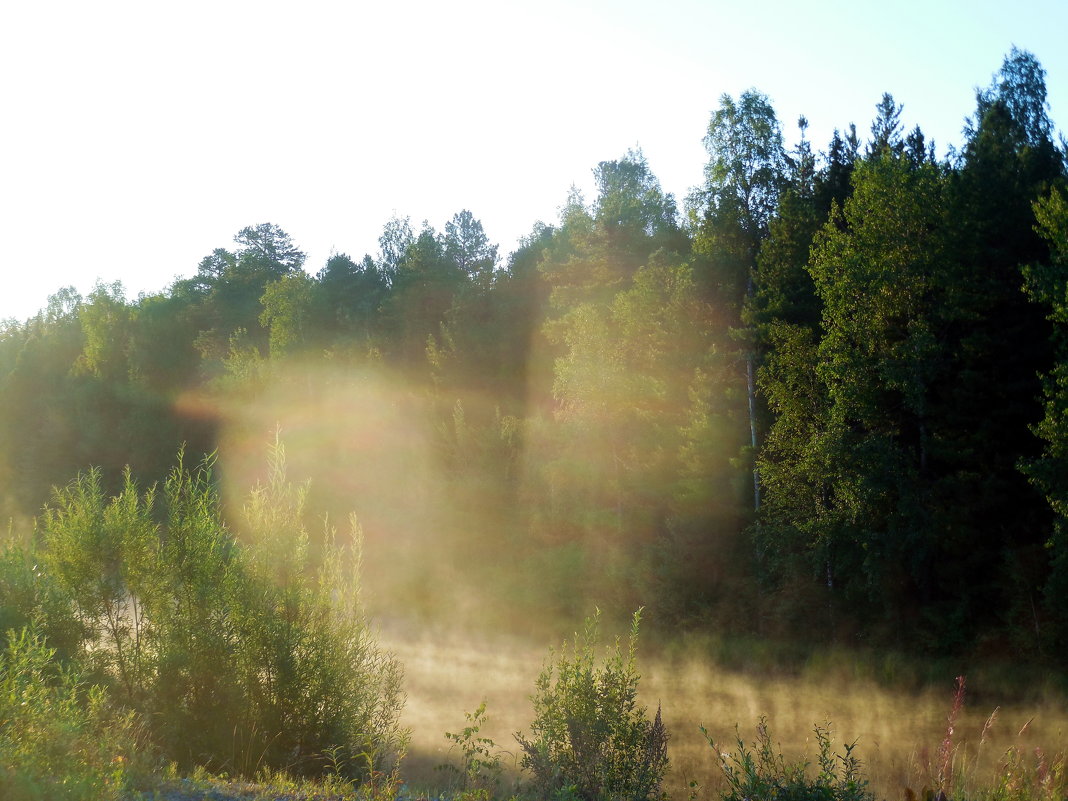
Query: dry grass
x=899, y=734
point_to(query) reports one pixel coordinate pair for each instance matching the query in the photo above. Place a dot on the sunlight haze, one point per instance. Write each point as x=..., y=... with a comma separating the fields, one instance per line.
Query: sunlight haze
x=372, y=374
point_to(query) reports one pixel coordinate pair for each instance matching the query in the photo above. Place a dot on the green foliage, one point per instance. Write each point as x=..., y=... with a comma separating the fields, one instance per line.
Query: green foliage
x=598, y=249
x=467, y=245
x=245, y=368
x=590, y=739
x=244, y=655
x=424, y=285
x=1048, y=284
x=287, y=312
x=313, y=674
x=761, y=773
x=877, y=267
x=887, y=386
x=744, y=174
x=194, y=584
x=29, y=595
x=98, y=551
x=59, y=739
x=480, y=765
x=105, y=318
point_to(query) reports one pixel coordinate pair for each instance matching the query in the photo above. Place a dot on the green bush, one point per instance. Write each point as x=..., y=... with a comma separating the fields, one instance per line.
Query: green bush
x=156, y=603
x=58, y=738
x=243, y=655
x=763, y=774
x=193, y=584
x=102, y=553
x=316, y=678
x=29, y=597
x=590, y=739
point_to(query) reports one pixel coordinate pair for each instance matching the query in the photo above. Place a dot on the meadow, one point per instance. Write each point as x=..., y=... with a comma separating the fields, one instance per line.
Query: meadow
x=900, y=732
x=245, y=665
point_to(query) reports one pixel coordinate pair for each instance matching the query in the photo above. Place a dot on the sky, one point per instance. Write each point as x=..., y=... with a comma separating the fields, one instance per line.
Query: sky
x=136, y=137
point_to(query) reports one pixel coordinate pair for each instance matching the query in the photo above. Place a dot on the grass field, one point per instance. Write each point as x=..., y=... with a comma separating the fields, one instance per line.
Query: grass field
x=899, y=733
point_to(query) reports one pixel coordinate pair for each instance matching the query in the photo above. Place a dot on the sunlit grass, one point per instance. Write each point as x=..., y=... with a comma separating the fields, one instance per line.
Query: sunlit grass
x=899, y=732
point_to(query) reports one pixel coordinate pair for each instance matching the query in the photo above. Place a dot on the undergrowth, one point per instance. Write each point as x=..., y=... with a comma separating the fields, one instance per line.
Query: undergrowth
x=762, y=772
x=141, y=631
x=1021, y=773
x=60, y=738
x=590, y=739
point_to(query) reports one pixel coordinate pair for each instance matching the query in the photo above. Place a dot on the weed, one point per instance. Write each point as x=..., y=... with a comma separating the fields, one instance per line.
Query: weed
x=380, y=760
x=1022, y=773
x=480, y=760
x=945, y=750
x=763, y=774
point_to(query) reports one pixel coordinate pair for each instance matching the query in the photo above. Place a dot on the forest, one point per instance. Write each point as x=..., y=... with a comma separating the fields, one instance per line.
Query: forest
x=822, y=400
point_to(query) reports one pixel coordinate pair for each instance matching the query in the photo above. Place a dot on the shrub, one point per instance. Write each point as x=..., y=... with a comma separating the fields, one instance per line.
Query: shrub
x=156, y=603
x=29, y=596
x=763, y=774
x=97, y=550
x=590, y=739
x=192, y=586
x=315, y=675
x=242, y=655
x=58, y=739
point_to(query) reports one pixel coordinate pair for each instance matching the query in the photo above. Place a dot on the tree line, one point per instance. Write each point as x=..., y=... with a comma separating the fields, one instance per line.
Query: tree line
x=827, y=394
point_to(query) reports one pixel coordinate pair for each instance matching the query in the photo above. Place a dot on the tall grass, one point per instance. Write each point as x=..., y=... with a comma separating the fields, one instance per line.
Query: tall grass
x=1022, y=771
x=899, y=730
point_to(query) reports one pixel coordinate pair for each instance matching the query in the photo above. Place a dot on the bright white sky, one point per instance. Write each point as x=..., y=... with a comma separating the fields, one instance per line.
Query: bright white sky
x=137, y=136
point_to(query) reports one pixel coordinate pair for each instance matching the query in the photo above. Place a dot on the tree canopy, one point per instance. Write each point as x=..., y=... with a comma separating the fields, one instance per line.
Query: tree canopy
x=831, y=388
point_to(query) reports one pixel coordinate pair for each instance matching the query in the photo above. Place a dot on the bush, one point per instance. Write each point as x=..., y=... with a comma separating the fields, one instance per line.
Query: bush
x=316, y=678
x=191, y=586
x=590, y=739
x=58, y=739
x=763, y=774
x=29, y=597
x=243, y=655
x=105, y=555
x=156, y=603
